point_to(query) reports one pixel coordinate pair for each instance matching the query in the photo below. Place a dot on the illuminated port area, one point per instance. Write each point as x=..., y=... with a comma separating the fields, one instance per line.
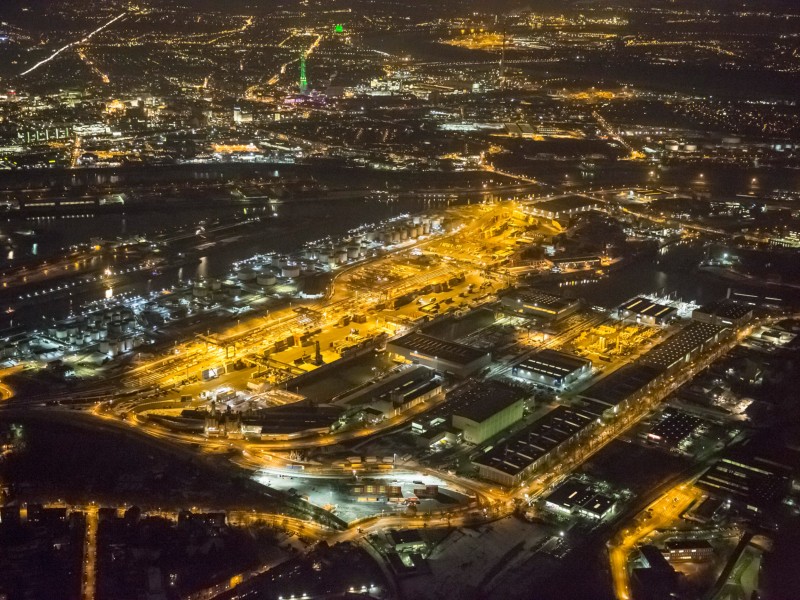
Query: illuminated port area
x=344, y=299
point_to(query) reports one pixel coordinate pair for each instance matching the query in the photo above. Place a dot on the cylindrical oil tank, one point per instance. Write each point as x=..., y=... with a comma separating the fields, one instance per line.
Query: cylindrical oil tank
x=266, y=278
x=290, y=270
x=246, y=274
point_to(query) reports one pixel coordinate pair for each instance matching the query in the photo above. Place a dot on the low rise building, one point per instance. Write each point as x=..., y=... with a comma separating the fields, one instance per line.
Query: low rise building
x=724, y=313
x=484, y=409
x=511, y=461
x=753, y=482
x=616, y=391
x=562, y=209
x=688, y=551
x=394, y=394
x=534, y=303
x=647, y=312
x=685, y=345
x=553, y=368
x=673, y=428
x=576, y=498
x=440, y=355
x=407, y=540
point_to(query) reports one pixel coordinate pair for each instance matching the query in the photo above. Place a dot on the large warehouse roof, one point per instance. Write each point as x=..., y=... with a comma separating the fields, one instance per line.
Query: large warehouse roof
x=621, y=384
x=690, y=339
x=536, y=440
x=553, y=363
x=479, y=401
x=435, y=347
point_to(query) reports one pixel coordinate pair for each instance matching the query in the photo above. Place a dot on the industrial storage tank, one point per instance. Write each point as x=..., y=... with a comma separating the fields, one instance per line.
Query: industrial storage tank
x=352, y=252
x=246, y=274
x=200, y=290
x=230, y=288
x=266, y=278
x=290, y=270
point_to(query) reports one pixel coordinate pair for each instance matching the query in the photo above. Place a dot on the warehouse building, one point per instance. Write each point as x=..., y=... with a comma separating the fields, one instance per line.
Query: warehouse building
x=562, y=209
x=407, y=540
x=440, y=355
x=577, y=498
x=647, y=312
x=724, y=313
x=553, y=368
x=755, y=482
x=688, y=551
x=391, y=396
x=510, y=462
x=534, y=303
x=616, y=391
x=684, y=346
x=481, y=410
x=673, y=428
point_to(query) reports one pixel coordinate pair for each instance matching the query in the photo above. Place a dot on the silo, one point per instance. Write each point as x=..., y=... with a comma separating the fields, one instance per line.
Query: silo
x=290, y=271
x=266, y=278
x=246, y=274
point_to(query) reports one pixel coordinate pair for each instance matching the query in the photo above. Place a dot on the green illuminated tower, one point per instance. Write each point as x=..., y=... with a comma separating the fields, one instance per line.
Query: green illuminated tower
x=303, y=79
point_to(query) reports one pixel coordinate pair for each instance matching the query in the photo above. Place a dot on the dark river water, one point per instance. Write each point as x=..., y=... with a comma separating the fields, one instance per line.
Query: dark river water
x=297, y=222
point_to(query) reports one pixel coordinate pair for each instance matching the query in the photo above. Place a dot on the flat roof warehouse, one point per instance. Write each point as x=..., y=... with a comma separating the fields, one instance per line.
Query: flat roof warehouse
x=648, y=308
x=480, y=401
x=690, y=339
x=430, y=346
x=543, y=300
x=524, y=449
x=553, y=363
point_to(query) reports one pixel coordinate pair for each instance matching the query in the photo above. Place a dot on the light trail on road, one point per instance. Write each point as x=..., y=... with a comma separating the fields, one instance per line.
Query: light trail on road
x=83, y=40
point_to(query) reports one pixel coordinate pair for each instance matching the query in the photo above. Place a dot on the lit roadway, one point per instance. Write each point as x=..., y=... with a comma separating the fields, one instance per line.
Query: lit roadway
x=250, y=93
x=661, y=513
x=291, y=525
x=89, y=578
x=79, y=42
